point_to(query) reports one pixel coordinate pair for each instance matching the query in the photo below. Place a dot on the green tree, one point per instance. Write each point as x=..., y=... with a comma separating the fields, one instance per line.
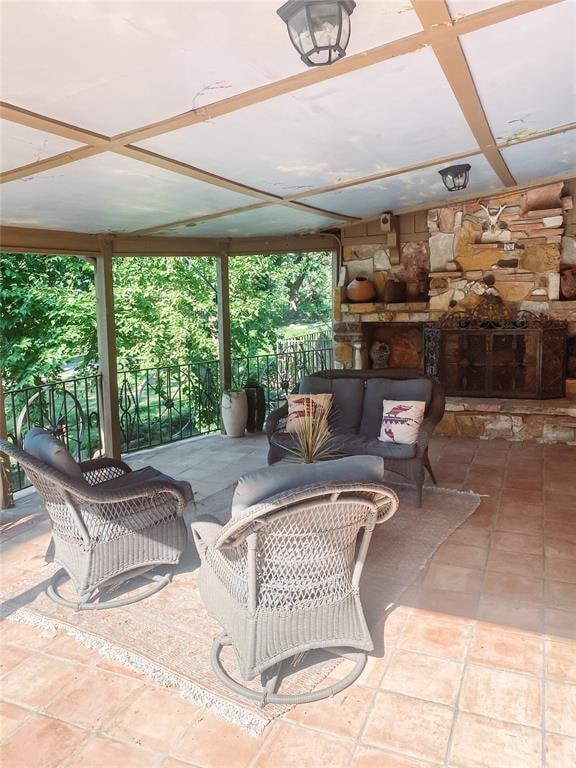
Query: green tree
x=166, y=309
x=47, y=315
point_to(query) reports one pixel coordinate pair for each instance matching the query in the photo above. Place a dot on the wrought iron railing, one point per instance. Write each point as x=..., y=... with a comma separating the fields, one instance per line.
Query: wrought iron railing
x=168, y=403
x=157, y=405
x=69, y=408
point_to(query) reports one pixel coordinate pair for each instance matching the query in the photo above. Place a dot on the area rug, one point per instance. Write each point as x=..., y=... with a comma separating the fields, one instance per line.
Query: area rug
x=168, y=636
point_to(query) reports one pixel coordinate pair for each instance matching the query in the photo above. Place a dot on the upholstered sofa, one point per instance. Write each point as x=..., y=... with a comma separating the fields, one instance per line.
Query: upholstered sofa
x=356, y=417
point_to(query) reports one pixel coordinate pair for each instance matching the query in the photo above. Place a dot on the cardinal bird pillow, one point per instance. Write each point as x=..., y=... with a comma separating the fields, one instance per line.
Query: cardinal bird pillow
x=301, y=406
x=401, y=421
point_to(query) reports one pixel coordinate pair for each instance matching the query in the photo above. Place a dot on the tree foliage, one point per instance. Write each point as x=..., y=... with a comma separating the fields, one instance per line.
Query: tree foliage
x=166, y=309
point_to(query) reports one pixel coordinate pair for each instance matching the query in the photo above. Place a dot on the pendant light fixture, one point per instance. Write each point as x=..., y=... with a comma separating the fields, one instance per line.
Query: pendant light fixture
x=318, y=29
x=455, y=177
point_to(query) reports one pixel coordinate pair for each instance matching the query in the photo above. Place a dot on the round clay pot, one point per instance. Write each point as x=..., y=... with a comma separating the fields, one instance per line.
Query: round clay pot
x=360, y=289
x=234, y=412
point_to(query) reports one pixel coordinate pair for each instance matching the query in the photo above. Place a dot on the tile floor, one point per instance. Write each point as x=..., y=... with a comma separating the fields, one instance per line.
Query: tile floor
x=480, y=663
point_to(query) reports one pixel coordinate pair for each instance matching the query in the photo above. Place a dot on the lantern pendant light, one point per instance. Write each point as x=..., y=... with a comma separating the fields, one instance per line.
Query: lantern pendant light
x=318, y=29
x=455, y=177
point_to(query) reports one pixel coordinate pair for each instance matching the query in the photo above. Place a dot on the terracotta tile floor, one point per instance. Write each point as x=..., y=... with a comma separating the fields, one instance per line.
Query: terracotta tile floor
x=480, y=663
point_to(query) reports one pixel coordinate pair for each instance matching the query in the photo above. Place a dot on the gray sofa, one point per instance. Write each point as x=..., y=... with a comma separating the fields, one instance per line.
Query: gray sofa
x=356, y=417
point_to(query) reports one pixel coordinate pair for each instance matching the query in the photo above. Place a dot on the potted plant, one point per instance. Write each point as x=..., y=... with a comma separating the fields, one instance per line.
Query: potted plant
x=234, y=410
x=256, y=404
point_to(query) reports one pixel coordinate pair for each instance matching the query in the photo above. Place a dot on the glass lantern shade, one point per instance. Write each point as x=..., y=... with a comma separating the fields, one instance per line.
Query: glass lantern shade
x=318, y=29
x=455, y=177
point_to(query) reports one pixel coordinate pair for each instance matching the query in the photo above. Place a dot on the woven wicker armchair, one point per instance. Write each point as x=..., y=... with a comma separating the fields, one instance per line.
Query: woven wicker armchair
x=282, y=578
x=108, y=525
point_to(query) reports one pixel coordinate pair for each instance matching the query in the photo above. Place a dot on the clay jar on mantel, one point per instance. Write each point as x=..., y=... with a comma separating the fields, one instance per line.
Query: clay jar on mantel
x=360, y=289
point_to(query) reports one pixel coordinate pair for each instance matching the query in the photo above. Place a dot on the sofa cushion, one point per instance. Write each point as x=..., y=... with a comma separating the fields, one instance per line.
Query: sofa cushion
x=42, y=444
x=135, y=479
x=360, y=445
x=378, y=390
x=348, y=394
x=258, y=486
x=401, y=421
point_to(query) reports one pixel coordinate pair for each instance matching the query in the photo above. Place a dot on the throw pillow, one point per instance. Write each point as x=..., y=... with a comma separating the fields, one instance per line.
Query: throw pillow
x=44, y=446
x=300, y=406
x=401, y=421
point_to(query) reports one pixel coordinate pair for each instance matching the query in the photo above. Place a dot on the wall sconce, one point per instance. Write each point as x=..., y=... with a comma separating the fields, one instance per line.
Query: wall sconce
x=455, y=177
x=318, y=29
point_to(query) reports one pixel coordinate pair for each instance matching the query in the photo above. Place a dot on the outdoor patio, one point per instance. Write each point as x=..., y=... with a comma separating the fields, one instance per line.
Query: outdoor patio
x=479, y=668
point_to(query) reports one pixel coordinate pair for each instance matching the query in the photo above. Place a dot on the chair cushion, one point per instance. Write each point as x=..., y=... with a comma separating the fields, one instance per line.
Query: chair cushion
x=42, y=444
x=378, y=390
x=284, y=476
x=134, y=479
x=348, y=394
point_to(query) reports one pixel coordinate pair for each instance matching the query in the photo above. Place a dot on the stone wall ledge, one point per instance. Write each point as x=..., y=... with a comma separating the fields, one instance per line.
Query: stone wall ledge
x=379, y=306
x=554, y=407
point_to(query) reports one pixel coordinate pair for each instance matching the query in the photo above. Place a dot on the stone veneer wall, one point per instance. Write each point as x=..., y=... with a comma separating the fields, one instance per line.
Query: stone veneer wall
x=521, y=245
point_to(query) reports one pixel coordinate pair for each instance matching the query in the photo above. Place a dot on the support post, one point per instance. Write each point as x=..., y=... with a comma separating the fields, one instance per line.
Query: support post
x=106, y=330
x=6, y=496
x=224, y=338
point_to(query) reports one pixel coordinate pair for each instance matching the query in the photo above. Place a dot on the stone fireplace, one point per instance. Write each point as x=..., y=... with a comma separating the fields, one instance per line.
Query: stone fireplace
x=518, y=248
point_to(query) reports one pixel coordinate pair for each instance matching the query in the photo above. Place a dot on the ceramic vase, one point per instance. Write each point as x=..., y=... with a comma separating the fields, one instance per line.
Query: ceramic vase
x=360, y=289
x=256, y=408
x=234, y=412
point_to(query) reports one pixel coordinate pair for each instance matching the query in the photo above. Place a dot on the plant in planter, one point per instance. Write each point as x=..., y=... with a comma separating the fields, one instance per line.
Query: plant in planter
x=234, y=410
x=256, y=404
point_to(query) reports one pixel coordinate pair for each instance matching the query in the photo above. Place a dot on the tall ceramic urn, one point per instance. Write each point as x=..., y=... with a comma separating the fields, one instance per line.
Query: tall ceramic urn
x=234, y=412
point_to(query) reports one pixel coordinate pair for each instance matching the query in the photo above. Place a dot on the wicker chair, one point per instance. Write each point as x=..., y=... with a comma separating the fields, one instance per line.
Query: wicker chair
x=109, y=524
x=282, y=578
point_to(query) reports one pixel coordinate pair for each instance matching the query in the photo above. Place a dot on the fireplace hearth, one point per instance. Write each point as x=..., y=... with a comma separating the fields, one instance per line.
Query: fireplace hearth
x=493, y=351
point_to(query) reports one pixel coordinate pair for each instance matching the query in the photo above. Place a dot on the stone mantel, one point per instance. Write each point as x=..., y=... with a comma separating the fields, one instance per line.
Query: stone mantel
x=379, y=312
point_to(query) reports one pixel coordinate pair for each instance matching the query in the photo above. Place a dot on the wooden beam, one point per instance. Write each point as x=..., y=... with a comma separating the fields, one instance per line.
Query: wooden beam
x=6, y=495
x=55, y=161
x=106, y=329
x=224, y=335
x=495, y=15
x=176, y=166
x=23, y=239
x=278, y=88
x=160, y=161
x=199, y=219
x=435, y=18
x=49, y=125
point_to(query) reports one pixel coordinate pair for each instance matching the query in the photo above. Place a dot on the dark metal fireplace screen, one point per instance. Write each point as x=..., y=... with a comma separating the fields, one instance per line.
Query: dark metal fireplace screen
x=492, y=351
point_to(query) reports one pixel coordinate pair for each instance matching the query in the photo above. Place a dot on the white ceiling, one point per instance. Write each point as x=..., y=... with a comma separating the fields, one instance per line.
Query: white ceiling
x=111, y=67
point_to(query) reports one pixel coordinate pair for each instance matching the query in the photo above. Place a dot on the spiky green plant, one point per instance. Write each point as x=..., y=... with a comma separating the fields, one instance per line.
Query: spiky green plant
x=312, y=436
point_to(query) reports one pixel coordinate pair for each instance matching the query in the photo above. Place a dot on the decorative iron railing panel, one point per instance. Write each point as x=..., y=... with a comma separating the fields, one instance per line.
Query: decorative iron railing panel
x=168, y=403
x=157, y=405
x=69, y=408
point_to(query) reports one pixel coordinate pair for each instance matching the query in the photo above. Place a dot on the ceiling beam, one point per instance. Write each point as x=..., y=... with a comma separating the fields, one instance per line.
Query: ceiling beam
x=435, y=18
x=70, y=156
x=49, y=125
x=277, y=88
x=24, y=239
x=495, y=15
